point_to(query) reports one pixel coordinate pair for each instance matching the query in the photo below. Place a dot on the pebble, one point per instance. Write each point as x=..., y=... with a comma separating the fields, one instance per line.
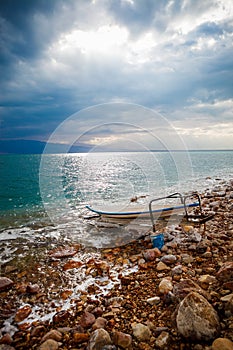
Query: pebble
x=162, y=267
x=98, y=339
x=153, y=301
x=122, y=339
x=151, y=254
x=49, y=344
x=5, y=283
x=163, y=340
x=23, y=313
x=141, y=332
x=168, y=259
x=53, y=334
x=87, y=319
x=222, y=344
x=165, y=286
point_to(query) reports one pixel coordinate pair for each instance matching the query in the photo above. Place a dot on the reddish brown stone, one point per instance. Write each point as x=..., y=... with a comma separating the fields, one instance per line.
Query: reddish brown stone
x=61, y=316
x=5, y=283
x=72, y=264
x=80, y=337
x=64, y=252
x=151, y=254
x=53, y=334
x=87, y=319
x=225, y=273
x=23, y=313
x=33, y=288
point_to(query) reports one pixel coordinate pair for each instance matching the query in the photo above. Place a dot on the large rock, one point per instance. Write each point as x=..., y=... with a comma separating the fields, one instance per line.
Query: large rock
x=99, y=339
x=196, y=318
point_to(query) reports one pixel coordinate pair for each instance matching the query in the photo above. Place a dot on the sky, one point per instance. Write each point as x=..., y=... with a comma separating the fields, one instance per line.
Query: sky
x=117, y=73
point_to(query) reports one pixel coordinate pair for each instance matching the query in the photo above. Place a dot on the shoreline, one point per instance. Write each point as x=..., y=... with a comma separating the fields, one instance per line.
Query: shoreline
x=116, y=289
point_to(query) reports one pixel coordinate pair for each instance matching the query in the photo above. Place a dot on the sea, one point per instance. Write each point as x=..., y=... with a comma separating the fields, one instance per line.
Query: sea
x=45, y=196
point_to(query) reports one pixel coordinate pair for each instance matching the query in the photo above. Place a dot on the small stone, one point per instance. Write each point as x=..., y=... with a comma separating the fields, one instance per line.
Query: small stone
x=23, y=313
x=80, y=337
x=5, y=283
x=6, y=339
x=162, y=267
x=72, y=264
x=49, y=344
x=53, y=334
x=177, y=270
x=100, y=322
x=165, y=286
x=206, y=280
x=151, y=254
x=168, y=259
x=225, y=273
x=32, y=288
x=64, y=252
x=98, y=339
x=162, y=340
x=196, y=318
x=186, y=258
x=222, y=344
x=141, y=332
x=153, y=301
x=87, y=319
x=184, y=287
x=122, y=339
x=61, y=316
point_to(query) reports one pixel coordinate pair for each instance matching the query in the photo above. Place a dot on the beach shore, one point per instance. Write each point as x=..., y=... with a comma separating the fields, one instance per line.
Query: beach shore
x=129, y=297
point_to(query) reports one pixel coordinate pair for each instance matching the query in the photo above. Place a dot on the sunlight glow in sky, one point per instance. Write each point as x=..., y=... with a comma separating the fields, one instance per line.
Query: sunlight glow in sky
x=174, y=57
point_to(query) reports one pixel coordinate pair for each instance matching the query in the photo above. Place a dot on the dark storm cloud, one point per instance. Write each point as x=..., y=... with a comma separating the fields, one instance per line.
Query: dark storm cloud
x=58, y=57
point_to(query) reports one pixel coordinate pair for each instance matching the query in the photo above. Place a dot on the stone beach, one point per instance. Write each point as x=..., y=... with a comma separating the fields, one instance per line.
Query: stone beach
x=135, y=296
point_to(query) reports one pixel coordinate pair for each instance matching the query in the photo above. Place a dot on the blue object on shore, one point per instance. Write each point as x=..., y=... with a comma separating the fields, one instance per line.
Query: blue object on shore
x=158, y=241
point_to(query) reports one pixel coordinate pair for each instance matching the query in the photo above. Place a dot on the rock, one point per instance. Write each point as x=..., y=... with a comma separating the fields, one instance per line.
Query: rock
x=49, y=344
x=177, y=270
x=80, y=337
x=141, y=332
x=87, y=319
x=162, y=340
x=186, y=258
x=225, y=273
x=168, y=259
x=229, y=307
x=23, y=313
x=151, y=254
x=154, y=300
x=5, y=283
x=196, y=318
x=162, y=267
x=222, y=344
x=53, y=334
x=32, y=288
x=61, y=316
x=165, y=286
x=122, y=339
x=6, y=347
x=6, y=339
x=64, y=252
x=72, y=264
x=100, y=322
x=206, y=280
x=99, y=338
x=183, y=288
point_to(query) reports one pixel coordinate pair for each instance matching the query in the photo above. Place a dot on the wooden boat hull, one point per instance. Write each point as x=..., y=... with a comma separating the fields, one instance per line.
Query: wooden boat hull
x=158, y=212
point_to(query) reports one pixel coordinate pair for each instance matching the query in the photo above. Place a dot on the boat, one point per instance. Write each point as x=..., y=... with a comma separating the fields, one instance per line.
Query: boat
x=157, y=212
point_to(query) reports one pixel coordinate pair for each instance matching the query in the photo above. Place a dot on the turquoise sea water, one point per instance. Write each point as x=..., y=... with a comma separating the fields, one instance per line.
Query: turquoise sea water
x=52, y=191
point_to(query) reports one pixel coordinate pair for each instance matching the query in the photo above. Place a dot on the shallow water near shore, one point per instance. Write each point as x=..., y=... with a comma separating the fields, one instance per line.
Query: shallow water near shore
x=44, y=198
